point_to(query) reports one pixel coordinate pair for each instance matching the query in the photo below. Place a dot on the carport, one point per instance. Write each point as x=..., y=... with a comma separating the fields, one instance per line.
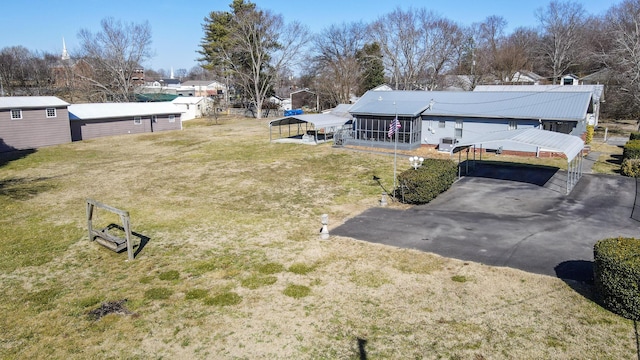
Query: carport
x=302, y=127
x=569, y=145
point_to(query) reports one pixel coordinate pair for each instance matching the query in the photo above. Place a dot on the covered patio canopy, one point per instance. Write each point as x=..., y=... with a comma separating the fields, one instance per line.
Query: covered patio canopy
x=571, y=146
x=297, y=126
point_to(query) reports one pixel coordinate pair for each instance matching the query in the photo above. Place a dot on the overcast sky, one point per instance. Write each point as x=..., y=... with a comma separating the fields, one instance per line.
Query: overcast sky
x=176, y=25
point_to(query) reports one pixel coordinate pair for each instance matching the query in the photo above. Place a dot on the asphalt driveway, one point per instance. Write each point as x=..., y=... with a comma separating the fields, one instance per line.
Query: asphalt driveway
x=513, y=217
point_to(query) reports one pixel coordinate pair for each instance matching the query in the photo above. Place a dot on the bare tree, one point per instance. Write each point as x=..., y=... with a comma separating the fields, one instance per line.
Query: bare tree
x=620, y=52
x=336, y=60
x=561, y=41
x=252, y=45
x=25, y=72
x=114, y=53
x=417, y=46
x=443, y=39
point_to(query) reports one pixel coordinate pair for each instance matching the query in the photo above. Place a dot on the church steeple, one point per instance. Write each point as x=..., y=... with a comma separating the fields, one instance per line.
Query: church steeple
x=65, y=54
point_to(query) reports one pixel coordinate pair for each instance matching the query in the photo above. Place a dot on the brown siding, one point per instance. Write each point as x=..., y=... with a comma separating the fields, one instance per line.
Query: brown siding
x=91, y=129
x=163, y=123
x=34, y=130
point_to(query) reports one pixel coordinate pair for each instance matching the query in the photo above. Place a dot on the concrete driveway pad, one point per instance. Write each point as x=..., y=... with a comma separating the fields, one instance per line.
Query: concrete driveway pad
x=510, y=223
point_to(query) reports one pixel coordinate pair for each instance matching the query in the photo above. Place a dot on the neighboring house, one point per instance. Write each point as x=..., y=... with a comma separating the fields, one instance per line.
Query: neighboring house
x=192, y=106
x=596, y=91
x=205, y=88
x=304, y=98
x=569, y=79
x=29, y=122
x=90, y=121
x=434, y=117
x=524, y=77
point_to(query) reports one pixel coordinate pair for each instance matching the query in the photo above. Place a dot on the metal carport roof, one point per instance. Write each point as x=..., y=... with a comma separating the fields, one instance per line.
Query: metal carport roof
x=318, y=121
x=571, y=146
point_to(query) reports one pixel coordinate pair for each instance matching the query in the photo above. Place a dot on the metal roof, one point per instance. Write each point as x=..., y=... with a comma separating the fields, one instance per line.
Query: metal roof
x=118, y=110
x=336, y=117
x=567, y=106
x=187, y=99
x=570, y=145
x=595, y=89
x=25, y=102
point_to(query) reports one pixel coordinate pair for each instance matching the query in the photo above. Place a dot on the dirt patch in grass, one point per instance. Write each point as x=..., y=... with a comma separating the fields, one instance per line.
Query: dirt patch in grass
x=234, y=266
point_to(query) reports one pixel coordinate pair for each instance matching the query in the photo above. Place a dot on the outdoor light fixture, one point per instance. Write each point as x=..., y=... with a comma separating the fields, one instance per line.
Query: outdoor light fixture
x=416, y=162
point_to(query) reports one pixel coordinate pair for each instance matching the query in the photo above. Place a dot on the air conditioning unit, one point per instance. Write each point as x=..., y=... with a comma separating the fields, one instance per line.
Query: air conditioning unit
x=447, y=144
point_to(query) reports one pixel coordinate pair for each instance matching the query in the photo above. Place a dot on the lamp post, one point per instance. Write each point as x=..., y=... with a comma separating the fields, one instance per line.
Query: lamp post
x=416, y=162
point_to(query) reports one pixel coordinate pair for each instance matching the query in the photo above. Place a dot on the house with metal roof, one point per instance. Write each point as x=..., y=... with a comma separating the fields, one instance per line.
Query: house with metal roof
x=437, y=118
x=596, y=91
x=90, y=121
x=30, y=122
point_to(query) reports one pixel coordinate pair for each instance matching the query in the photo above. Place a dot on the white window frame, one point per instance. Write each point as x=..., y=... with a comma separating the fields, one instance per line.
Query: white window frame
x=458, y=129
x=512, y=125
x=137, y=120
x=16, y=114
x=172, y=118
x=51, y=112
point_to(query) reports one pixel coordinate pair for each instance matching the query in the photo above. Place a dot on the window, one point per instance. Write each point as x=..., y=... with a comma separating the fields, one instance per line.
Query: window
x=51, y=112
x=172, y=118
x=16, y=114
x=442, y=124
x=137, y=120
x=513, y=125
x=458, y=133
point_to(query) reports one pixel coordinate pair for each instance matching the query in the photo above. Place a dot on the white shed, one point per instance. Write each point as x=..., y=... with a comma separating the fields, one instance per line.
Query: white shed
x=193, y=106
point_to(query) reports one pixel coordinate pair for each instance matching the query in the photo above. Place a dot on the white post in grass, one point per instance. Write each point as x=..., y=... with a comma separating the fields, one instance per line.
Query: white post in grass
x=324, y=232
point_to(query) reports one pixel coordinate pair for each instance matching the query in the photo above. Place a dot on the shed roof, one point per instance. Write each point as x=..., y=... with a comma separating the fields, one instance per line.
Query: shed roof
x=567, y=106
x=25, y=102
x=187, y=99
x=570, y=145
x=118, y=110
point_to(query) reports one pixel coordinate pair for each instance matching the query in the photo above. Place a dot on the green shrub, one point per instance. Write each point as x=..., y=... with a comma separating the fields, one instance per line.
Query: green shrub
x=420, y=186
x=630, y=167
x=616, y=273
x=631, y=150
x=634, y=135
x=589, y=135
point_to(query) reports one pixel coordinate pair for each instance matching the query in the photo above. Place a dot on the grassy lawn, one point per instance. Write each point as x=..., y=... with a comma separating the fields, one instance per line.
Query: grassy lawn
x=234, y=267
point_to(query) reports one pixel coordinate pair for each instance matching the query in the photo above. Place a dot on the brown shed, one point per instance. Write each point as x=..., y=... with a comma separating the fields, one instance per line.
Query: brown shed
x=29, y=122
x=90, y=121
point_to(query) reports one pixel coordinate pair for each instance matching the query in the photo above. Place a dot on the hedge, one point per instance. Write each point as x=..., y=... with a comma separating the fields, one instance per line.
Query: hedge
x=617, y=275
x=631, y=150
x=630, y=168
x=419, y=186
x=634, y=136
